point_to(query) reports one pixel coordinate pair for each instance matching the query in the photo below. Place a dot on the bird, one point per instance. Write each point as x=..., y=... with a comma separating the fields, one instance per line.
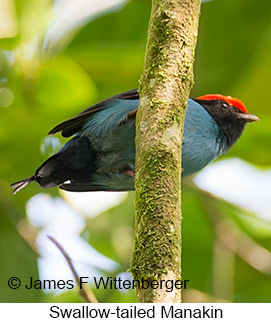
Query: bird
x=100, y=156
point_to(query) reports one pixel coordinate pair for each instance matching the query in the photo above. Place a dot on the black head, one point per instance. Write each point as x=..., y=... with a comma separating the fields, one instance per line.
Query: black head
x=229, y=113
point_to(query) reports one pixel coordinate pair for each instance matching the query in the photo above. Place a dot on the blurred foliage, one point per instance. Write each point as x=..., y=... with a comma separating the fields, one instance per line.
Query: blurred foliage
x=224, y=248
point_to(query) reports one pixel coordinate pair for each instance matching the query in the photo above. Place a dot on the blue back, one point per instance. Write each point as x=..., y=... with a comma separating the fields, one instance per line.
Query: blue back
x=203, y=141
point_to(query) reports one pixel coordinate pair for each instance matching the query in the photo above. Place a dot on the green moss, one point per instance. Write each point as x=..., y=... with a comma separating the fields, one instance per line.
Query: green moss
x=156, y=246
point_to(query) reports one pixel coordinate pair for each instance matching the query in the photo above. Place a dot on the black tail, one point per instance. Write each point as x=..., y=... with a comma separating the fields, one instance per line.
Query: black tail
x=21, y=184
x=74, y=162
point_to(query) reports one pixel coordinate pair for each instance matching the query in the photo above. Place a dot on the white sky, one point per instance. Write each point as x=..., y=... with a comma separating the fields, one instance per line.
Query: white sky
x=239, y=183
x=70, y=14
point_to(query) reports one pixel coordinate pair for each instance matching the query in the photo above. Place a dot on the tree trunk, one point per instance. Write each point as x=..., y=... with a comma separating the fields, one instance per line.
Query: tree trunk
x=164, y=90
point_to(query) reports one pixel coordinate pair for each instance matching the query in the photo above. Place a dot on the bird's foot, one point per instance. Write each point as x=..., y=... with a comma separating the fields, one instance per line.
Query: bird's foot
x=129, y=173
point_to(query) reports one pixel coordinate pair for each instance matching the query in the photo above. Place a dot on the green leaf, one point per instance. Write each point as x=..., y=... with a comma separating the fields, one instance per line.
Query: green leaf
x=63, y=86
x=17, y=258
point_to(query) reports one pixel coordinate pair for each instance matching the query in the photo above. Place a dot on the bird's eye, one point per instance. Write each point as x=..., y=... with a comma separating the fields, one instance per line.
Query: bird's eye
x=224, y=105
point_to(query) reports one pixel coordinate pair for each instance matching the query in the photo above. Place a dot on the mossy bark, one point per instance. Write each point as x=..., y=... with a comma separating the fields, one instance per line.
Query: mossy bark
x=164, y=90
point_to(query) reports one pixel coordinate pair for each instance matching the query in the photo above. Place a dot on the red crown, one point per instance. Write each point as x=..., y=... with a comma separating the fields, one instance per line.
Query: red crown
x=232, y=101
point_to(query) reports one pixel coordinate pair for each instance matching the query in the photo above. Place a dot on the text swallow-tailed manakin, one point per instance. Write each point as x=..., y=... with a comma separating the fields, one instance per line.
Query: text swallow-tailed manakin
x=101, y=154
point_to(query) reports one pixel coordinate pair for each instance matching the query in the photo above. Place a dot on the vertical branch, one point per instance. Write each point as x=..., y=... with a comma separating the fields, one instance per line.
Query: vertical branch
x=164, y=90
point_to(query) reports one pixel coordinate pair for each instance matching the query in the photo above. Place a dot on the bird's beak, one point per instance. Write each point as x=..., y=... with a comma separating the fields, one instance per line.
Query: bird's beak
x=248, y=117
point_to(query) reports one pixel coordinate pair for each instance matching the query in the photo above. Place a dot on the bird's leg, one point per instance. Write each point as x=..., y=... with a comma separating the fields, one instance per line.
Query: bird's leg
x=128, y=172
x=132, y=114
x=129, y=116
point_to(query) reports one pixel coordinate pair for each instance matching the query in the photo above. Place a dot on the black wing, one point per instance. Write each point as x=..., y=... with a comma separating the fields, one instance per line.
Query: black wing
x=73, y=125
